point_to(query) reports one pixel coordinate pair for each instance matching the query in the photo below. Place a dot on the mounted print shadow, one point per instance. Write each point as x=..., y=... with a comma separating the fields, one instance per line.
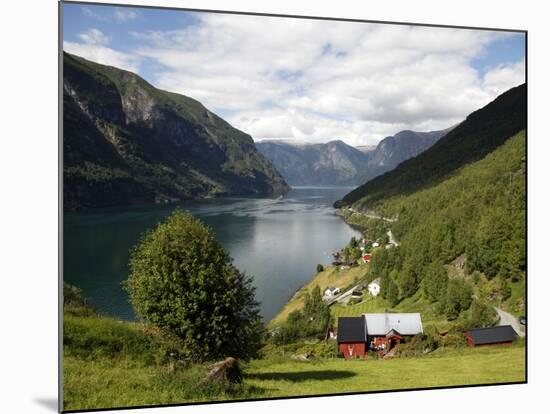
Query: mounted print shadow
x=263, y=206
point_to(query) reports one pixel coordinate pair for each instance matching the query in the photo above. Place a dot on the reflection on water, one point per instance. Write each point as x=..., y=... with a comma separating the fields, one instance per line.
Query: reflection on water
x=278, y=241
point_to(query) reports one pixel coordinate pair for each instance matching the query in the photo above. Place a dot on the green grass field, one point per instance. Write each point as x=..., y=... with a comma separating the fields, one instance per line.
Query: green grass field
x=115, y=383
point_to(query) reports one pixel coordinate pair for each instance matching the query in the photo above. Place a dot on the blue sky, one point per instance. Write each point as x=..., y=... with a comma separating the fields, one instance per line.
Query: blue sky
x=309, y=81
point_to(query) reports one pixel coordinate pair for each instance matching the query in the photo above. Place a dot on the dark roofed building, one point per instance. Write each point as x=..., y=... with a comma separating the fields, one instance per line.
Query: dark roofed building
x=352, y=336
x=491, y=336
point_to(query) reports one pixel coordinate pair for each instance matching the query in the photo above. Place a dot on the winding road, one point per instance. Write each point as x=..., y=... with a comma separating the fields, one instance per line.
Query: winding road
x=509, y=319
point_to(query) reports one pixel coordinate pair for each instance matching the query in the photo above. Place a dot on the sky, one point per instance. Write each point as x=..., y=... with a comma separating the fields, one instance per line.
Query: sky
x=304, y=80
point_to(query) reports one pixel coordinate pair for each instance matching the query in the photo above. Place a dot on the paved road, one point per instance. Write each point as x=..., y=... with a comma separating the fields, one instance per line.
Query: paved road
x=372, y=215
x=342, y=296
x=509, y=319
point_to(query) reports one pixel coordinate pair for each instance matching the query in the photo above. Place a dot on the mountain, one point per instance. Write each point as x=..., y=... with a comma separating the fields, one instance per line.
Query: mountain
x=479, y=134
x=124, y=142
x=336, y=163
x=393, y=150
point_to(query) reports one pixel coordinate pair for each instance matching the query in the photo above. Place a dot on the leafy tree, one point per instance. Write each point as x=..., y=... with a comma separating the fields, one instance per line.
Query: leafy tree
x=312, y=320
x=482, y=315
x=458, y=298
x=389, y=289
x=410, y=279
x=504, y=289
x=435, y=282
x=320, y=268
x=182, y=280
x=316, y=312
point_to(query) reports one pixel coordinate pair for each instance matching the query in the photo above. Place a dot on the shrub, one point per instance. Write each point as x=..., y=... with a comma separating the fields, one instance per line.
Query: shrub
x=320, y=268
x=74, y=301
x=455, y=338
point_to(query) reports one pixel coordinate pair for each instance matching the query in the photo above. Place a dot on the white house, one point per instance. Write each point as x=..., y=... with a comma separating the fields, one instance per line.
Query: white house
x=332, y=291
x=374, y=287
x=375, y=244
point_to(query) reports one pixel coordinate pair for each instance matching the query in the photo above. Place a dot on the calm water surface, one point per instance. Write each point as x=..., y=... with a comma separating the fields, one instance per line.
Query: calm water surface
x=277, y=241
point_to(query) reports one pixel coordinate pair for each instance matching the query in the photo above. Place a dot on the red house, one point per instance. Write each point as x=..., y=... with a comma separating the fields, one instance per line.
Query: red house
x=380, y=332
x=367, y=258
x=352, y=339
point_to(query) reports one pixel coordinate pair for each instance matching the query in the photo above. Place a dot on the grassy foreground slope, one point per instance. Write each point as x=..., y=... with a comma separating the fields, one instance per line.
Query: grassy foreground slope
x=128, y=367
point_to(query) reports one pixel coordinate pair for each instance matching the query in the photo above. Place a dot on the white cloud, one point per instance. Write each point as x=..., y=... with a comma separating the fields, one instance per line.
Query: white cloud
x=103, y=55
x=317, y=80
x=94, y=37
x=90, y=13
x=500, y=79
x=124, y=14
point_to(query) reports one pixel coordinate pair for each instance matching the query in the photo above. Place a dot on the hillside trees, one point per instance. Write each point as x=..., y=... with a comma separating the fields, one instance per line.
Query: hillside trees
x=478, y=212
x=482, y=315
x=312, y=320
x=458, y=298
x=435, y=282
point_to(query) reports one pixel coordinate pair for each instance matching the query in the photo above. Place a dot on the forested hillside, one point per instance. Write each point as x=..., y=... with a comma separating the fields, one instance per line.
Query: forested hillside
x=478, y=213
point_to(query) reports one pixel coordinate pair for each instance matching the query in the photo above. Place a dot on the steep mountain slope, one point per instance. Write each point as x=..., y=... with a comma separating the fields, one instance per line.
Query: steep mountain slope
x=393, y=150
x=125, y=142
x=336, y=163
x=481, y=133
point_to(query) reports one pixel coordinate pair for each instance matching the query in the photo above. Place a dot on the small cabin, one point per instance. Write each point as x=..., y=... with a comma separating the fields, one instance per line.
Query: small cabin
x=374, y=287
x=495, y=335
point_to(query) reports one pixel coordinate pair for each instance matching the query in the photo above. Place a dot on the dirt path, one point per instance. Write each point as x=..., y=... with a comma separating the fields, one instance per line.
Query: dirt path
x=509, y=319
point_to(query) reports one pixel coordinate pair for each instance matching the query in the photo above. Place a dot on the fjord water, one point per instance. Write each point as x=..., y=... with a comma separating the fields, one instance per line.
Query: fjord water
x=277, y=241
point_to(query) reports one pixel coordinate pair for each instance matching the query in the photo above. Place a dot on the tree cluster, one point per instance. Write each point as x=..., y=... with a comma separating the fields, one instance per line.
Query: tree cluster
x=312, y=321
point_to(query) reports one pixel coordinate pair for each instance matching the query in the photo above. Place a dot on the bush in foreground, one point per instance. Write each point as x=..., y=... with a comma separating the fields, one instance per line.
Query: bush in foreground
x=182, y=280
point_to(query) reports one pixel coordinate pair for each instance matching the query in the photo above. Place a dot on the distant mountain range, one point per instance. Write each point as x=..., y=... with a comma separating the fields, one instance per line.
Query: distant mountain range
x=338, y=164
x=126, y=142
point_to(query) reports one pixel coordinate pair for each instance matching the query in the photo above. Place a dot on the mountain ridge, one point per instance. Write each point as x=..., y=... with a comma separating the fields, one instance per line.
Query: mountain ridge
x=337, y=163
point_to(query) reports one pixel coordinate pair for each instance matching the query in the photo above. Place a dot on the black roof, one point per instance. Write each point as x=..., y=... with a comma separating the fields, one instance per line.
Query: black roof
x=351, y=329
x=493, y=335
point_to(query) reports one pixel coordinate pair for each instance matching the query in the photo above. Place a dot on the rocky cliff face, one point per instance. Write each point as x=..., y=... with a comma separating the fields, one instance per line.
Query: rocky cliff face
x=127, y=142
